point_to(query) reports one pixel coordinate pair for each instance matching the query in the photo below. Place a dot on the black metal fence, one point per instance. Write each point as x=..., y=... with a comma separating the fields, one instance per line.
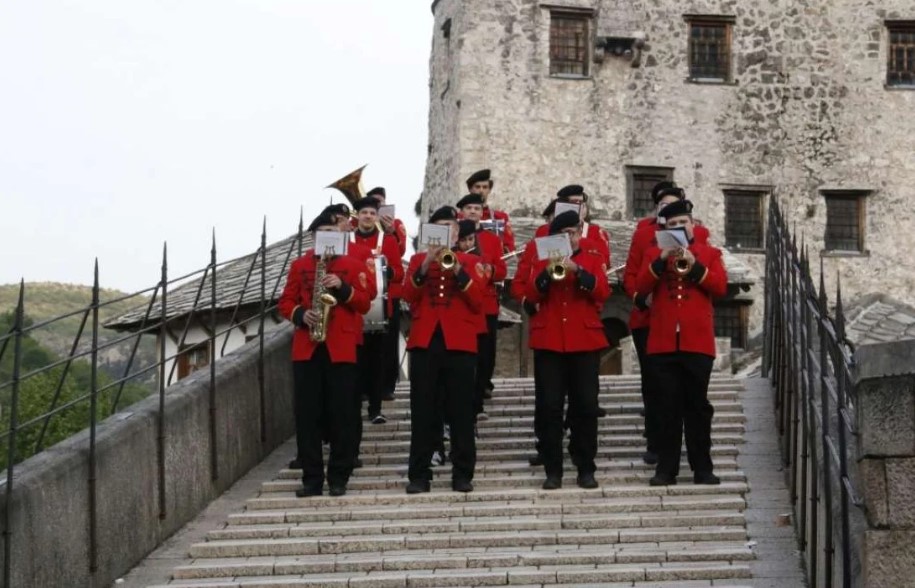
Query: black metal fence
x=809, y=362
x=202, y=296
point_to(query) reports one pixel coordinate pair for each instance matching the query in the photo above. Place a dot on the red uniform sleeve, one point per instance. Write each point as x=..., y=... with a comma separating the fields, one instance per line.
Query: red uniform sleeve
x=411, y=291
x=601, y=291
x=363, y=287
x=530, y=290
x=523, y=272
x=646, y=279
x=634, y=261
x=392, y=254
x=291, y=298
x=508, y=235
x=400, y=234
x=492, y=255
x=473, y=292
x=715, y=279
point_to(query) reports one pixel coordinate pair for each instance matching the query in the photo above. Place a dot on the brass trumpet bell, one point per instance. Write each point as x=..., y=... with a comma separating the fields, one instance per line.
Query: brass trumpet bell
x=557, y=270
x=447, y=259
x=681, y=265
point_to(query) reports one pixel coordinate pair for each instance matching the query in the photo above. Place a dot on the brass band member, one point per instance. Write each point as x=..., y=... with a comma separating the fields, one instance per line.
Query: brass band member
x=681, y=344
x=324, y=358
x=481, y=183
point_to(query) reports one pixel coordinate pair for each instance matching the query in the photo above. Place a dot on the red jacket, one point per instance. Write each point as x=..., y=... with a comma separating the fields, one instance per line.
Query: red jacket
x=489, y=247
x=683, y=304
x=568, y=319
x=598, y=237
x=389, y=248
x=437, y=300
x=642, y=239
x=508, y=236
x=526, y=259
x=344, y=328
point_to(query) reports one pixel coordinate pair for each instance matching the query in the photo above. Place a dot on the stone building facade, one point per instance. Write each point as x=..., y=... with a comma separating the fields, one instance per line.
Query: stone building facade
x=739, y=101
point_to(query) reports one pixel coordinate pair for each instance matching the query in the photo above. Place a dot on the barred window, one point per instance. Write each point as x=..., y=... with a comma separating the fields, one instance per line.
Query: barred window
x=640, y=182
x=900, y=70
x=844, y=221
x=710, y=48
x=743, y=219
x=731, y=321
x=569, y=43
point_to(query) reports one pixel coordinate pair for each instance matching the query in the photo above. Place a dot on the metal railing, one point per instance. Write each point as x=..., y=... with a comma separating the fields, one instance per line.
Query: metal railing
x=809, y=361
x=158, y=320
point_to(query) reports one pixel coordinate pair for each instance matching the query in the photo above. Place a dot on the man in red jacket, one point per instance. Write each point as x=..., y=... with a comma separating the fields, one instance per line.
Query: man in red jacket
x=372, y=353
x=662, y=194
x=324, y=373
x=681, y=345
x=568, y=332
x=481, y=183
x=575, y=194
x=489, y=249
x=442, y=345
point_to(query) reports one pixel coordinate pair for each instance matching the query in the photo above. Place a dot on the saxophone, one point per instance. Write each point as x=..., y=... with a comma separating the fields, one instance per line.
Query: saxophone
x=321, y=302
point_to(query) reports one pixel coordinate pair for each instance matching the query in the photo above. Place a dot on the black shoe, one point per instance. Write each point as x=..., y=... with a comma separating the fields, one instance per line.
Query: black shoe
x=295, y=464
x=662, y=480
x=537, y=460
x=487, y=393
x=552, y=483
x=337, y=490
x=304, y=492
x=378, y=419
x=418, y=487
x=357, y=463
x=587, y=481
x=650, y=457
x=461, y=486
x=601, y=412
x=706, y=478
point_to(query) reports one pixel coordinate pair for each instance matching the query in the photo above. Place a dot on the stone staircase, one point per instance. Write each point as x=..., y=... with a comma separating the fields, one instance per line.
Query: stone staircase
x=508, y=531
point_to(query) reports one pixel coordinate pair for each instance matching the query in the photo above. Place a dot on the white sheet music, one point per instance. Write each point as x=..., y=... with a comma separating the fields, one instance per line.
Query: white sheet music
x=435, y=235
x=386, y=210
x=493, y=226
x=567, y=206
x=553, y=246
x=672, y=238
x=331, y=243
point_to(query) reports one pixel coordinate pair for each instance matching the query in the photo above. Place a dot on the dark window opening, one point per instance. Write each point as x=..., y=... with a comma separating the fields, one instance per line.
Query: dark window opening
x=844, y=221
x=641, y=181
x=900, y=69
x=731, y=320
x=569, y=43
x=193, y=358
x=709, y=49
x=743, y=219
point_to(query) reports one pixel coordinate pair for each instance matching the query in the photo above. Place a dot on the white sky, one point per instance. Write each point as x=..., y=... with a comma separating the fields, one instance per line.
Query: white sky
x=128, y=123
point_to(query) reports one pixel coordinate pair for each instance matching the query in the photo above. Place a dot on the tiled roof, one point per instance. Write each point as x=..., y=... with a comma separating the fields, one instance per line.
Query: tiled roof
x=238, y=282
x=876, y=318
x=620, y=239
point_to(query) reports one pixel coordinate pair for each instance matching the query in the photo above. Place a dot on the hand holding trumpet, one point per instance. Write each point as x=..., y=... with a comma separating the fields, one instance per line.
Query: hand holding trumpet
x=684, y=258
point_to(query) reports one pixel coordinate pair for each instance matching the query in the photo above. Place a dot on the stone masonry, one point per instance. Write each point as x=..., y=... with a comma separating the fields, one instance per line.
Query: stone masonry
x=807, y=110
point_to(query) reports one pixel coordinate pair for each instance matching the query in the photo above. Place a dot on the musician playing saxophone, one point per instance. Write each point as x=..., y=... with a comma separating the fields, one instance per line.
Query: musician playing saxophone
x=324, y=371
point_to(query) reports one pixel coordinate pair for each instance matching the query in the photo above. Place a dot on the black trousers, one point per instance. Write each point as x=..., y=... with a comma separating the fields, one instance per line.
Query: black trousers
x=371, y=366
x=574, y=375
x=486, y=360
x=538, y=403
x=650, y=393
x=324, y=400
x=682, y=379
x=391, y=358
x=435, y=371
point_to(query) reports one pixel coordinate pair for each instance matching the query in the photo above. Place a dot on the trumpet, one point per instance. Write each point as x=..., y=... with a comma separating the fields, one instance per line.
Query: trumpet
x=556, y=269
x=682, y=265
x=447, y=259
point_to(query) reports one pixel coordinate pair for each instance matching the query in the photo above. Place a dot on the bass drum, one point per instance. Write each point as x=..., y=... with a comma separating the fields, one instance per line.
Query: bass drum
x=376, y=319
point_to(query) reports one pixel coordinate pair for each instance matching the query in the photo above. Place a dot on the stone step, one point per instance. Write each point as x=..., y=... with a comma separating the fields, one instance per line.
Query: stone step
x=627, y=452
x=609, y=506
x=408, y=526
x=512, y=467
x=527, y=409
x=604, y=398
x=373, y=432
x=486, y=495
x=442, y=480
x=631, y=574
x=617, y=554
x=426, y=541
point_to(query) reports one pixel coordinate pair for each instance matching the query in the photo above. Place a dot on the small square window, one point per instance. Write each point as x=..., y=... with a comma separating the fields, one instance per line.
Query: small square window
x=640, y=182
x=845, y=221
x=731, y=321
x=900, y=69
x=570, y=43
x=710, y=48
x=743, y=218
x=193, y=358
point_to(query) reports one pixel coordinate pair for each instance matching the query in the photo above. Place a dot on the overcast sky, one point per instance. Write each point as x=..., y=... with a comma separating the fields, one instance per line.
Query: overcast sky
x=128, y=123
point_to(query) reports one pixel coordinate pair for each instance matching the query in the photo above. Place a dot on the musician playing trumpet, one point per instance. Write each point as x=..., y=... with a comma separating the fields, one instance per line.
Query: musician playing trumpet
x=682, y=282
x=324, y=370
x=445, y=292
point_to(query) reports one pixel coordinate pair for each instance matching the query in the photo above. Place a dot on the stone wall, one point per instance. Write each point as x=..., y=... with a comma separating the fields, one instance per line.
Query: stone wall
x=49, y=516
x=807, y=111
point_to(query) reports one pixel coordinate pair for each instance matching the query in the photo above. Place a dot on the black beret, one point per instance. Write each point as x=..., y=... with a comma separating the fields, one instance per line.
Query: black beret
x=662, y=189
x=550, y=209
x=444, y=213
x=565, y=220
x=377, y=190
x=326, y=218
x=470, y=199
x=466, y=228
x=571, y=190
x=479, y=176
x=367, y=202
x=340, y=208
x=678, y=208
